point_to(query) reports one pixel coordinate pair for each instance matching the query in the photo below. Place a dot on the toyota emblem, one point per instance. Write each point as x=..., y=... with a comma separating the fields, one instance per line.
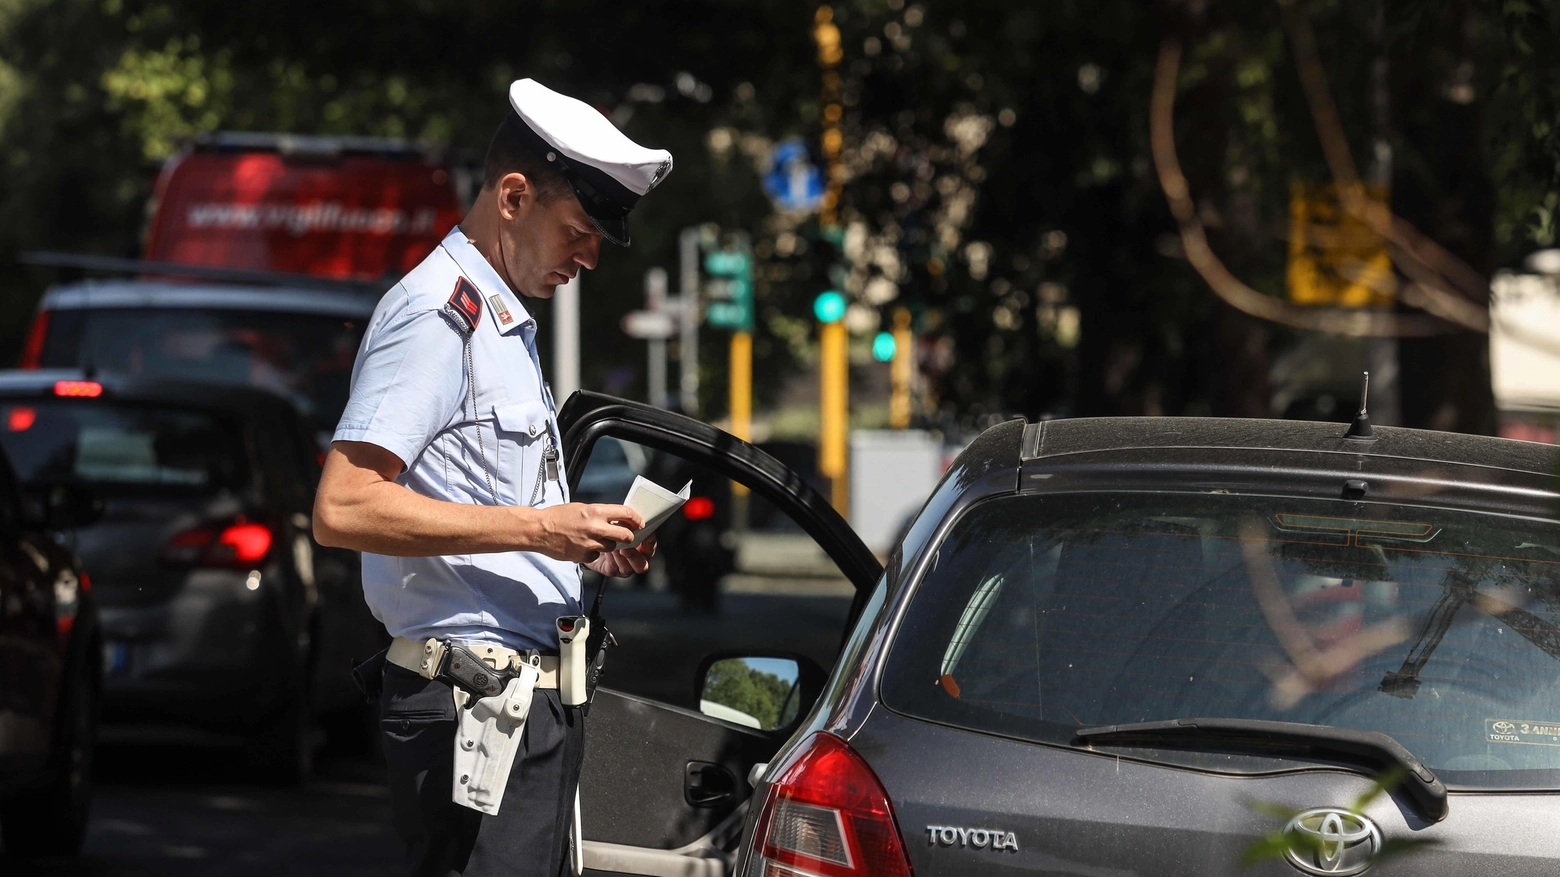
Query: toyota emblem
x=1332, y=842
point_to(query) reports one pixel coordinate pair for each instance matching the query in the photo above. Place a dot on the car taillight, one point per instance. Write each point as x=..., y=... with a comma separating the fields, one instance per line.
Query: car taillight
x=827, y=815
x=32, y=348
x=239, y=544
x=21, y=418
x=88, y=389
x=699, y=508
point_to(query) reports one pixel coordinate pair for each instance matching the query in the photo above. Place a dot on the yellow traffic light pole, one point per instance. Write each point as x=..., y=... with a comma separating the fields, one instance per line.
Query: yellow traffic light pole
x=833, y=410
x=740, y=397
x=833, y=362
x=900, y=372
x=741, y=391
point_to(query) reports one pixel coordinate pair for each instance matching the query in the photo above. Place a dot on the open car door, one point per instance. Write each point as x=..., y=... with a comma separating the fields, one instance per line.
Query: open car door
x=718, y=661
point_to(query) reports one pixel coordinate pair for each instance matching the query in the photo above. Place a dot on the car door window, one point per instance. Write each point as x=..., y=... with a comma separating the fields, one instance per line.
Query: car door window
x=725, y=580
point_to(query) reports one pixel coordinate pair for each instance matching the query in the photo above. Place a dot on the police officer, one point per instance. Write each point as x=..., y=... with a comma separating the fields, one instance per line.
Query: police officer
x=446, y=473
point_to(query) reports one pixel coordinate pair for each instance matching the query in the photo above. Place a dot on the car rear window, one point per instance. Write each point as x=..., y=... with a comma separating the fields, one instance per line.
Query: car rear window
x=306, y=358
x=1044, y=614
x=121, y=447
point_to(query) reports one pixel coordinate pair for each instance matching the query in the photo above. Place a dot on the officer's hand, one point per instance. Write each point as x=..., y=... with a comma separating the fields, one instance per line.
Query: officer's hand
x=580, y=531
x=625, y=561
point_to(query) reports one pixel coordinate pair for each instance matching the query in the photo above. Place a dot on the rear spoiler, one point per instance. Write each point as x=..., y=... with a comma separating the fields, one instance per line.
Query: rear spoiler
x=115, y=266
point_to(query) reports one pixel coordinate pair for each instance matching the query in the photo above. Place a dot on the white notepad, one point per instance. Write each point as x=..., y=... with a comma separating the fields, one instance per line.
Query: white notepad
x=655, y=503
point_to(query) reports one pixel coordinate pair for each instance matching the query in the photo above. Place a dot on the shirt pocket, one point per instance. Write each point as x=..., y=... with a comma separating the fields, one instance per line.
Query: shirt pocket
x=523, y=437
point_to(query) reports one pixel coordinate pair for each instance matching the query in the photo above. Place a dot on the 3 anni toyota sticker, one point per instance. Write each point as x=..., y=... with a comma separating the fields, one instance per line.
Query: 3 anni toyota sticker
x=1529, y=733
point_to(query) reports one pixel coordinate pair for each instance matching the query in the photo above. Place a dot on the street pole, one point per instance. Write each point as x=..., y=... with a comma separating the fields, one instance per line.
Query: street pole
x=566, y=340
x=689, y=316
x=833, y=411
x=741, y=388
x=741, y=403
x=900, y=371
x=833, y=365
x=655, y=370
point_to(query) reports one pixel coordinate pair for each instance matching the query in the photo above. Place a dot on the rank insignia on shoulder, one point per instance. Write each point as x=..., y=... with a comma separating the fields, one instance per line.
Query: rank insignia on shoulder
x=501, y=309
x=465, y=306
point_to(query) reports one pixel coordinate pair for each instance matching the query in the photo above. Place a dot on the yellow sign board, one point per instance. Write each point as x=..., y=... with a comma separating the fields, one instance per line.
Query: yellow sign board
x=1335, y=259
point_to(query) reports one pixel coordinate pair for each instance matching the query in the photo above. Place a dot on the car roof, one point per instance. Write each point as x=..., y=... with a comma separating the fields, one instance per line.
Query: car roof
x=236, y=399
x=86, y=294
x=1052, y=439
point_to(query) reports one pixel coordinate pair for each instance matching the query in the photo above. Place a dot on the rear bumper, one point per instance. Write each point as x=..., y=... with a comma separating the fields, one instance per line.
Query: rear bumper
x=215, y=654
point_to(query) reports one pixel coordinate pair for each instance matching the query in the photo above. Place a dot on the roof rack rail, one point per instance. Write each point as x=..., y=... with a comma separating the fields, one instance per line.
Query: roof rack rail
x=114, y=265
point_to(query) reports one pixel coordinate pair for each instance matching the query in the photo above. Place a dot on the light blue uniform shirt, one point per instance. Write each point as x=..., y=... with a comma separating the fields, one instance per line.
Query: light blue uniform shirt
x=411, y=396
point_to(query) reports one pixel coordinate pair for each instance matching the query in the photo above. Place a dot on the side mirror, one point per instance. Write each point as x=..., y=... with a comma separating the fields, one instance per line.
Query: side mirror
x=60, y=506
x=764, y=692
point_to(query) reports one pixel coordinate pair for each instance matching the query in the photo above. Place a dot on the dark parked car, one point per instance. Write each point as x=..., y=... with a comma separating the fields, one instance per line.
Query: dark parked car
x=50, y=671
x=1127, y=646
x=294, y=341
x=220, y=612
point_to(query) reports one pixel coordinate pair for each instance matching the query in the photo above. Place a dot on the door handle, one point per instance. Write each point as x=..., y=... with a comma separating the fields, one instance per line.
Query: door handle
x=708, y=785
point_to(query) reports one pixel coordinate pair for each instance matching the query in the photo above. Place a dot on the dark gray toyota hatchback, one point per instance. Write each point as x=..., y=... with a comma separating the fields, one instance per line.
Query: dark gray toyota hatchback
x=1195, y=647
x=1120, y=646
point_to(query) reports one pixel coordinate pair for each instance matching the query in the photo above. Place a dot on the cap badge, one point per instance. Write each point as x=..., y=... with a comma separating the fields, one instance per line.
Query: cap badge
x=465, y=306
x=660, y=173
x=501, y=308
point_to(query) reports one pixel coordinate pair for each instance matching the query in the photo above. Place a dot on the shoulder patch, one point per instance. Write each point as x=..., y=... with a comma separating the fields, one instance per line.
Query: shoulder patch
x=465, y=305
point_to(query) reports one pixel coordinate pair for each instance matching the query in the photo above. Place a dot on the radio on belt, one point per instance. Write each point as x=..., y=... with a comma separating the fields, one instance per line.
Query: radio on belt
x=573, y=633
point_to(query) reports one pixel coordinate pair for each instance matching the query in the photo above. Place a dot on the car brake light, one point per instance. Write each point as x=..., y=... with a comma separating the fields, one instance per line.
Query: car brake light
x=21, y=418
x=32, y=348
x=699, y=508
x=827, y=815
x=241, y=544
x=88, y=389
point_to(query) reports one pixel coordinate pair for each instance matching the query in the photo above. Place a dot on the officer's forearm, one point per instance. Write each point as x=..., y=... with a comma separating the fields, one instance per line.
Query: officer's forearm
x=386, y=518
x=360, y=506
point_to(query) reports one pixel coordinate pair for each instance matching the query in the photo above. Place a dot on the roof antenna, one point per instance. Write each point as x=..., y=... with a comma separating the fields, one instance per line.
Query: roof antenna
x=1360, y=428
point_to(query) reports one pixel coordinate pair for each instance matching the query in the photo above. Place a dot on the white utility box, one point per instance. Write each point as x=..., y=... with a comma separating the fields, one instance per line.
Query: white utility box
x=892, y=472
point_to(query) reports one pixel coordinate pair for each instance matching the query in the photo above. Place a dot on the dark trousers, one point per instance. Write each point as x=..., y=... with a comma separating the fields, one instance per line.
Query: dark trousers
x=530, y=835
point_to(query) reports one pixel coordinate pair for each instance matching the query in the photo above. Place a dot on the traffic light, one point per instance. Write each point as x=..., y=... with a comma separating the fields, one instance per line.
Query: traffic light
x=829, y=307
x=883, y=345
x=730, y=293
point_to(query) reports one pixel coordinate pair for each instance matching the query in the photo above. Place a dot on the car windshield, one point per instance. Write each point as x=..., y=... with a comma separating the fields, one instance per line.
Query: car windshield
x=1044, y=614
x=118, y=448
x=304, y=357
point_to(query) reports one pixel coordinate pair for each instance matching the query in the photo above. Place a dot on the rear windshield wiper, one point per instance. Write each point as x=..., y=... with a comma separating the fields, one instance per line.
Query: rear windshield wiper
x=1371, y=749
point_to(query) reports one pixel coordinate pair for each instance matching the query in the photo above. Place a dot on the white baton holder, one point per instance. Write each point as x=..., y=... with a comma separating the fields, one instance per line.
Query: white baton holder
x=573, y=634
x=487, y=736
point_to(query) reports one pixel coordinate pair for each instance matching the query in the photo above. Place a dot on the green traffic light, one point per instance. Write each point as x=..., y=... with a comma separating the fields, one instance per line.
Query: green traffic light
x=829, y=307
x=884, y=347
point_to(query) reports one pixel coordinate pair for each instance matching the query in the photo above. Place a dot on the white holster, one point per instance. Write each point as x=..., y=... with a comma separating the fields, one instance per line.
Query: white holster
x=487, y=736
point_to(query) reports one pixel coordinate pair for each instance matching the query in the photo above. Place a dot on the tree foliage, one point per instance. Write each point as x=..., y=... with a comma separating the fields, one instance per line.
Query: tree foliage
x=997, y=176
x=746, y=689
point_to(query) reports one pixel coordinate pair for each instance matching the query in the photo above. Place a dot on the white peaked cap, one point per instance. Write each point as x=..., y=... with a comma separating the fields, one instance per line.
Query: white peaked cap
x=608, y=171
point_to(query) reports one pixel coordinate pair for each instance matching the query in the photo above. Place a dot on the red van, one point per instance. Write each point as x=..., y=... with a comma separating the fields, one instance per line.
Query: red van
x=291, y=240
x=348, y=207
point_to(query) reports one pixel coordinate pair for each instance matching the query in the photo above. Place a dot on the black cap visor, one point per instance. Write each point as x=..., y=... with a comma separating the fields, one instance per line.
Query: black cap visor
x=605, y=200
x=614, y=230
